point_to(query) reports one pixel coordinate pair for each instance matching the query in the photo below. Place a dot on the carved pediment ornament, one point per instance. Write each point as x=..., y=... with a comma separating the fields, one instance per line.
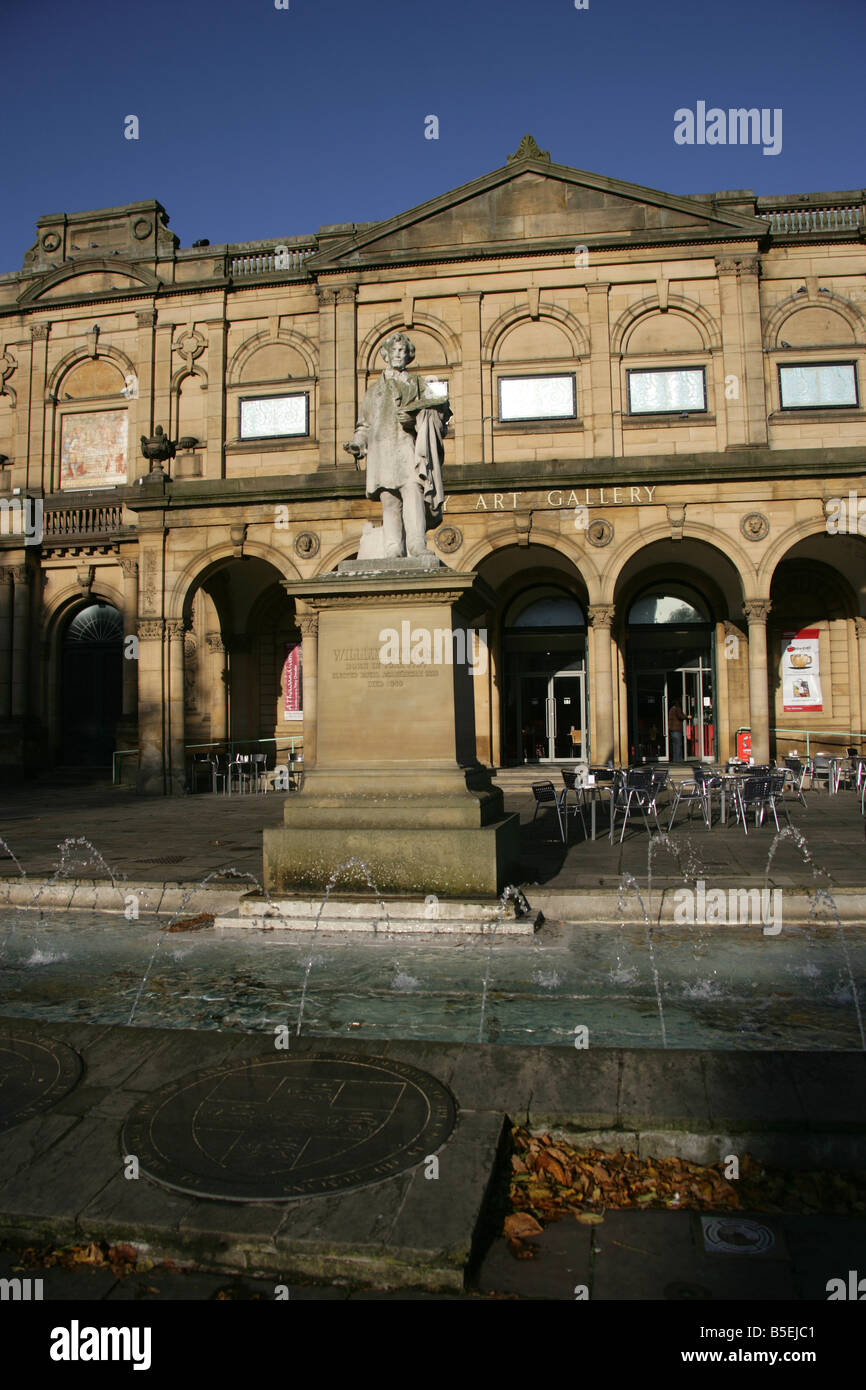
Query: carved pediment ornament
x=528, y=149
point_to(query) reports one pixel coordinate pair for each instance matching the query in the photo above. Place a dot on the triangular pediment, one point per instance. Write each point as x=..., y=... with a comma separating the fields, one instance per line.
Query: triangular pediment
x=529, y=204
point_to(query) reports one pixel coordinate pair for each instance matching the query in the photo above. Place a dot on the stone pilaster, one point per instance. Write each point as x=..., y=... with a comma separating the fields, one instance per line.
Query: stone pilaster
x=309, y=625
x=176, y=778
x=38, y=378
x=329, y=445
x=860, y=629
x=601, y=617
x=470, y=444
x=151, y=714
x=742, y=407
x=218, y=685
x=20, y=640
x=606, y=432
x=346, y=369
x=130, y=625
x=141, y=419
x=6, y=578
x=757, y=612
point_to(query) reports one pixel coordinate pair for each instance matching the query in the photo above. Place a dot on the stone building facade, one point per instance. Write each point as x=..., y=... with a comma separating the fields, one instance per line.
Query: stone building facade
x=657, y=463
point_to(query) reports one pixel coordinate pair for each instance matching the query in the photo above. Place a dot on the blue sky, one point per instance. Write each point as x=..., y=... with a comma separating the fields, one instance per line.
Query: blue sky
x=262, y=123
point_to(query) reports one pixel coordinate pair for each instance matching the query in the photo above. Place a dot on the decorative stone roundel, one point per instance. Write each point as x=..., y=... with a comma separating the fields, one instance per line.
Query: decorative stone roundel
x=307, y=544
x=142, y=229
x=449, y=539
x=755, y=526
x=599, y=532
x=50, y=241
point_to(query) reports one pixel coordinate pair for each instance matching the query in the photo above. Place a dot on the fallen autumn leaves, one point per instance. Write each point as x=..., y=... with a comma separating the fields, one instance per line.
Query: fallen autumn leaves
x=551, y=1180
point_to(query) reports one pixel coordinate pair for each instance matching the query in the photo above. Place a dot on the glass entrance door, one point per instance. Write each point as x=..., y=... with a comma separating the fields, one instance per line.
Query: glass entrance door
x=552, y=717
x=699, y=729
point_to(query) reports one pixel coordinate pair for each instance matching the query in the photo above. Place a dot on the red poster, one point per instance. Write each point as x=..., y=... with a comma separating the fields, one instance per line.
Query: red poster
x=292, y=682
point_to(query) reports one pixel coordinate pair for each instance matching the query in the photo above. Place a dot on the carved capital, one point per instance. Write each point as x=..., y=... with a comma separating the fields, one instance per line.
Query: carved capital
x=309, y=624
x=39, y=332
x=601, y=615
x=21, y=574
x=326, y=297
x=860, y=629
x=175, y=628
x=149, y=629
x=737, y=265
x=130, y=568
x=214, y=643
x=757, y=610
x=6, y=575
x=347, y=294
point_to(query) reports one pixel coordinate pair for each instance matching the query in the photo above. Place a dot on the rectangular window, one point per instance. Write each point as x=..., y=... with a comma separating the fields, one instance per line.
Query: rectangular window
x=818, y=385
x=658, y=393
x=270, y=417
x=537, y=398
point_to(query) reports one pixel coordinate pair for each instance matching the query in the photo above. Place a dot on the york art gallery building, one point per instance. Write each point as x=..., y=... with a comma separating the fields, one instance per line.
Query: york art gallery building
x=656, y=463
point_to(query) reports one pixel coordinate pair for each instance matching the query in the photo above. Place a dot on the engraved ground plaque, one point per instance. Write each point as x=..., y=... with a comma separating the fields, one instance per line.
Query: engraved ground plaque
x=288, y=1127
x=34, y=1074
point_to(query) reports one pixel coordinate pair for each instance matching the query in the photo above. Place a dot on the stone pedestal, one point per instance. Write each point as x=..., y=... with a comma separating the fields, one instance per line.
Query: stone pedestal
x=395, y=784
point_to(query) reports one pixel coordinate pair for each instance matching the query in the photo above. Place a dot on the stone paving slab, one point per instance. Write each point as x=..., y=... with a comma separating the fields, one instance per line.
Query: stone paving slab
x=163, y=846
x=61, y=1172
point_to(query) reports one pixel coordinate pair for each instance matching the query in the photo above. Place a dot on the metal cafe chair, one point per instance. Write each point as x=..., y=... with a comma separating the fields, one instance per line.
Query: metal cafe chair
x=202, y=767
x=753, y=794
x=797, y=770
x=571, y=784
x=545, y=795
x=239, y=768
x=822, y=767
x=695, y=792
x=632, y=793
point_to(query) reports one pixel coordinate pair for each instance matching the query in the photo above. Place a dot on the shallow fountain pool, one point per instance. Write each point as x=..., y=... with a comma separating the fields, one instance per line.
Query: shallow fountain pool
x=728, y=988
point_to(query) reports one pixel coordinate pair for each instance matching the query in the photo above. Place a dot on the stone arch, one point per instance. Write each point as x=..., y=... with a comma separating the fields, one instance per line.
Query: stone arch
x=202, y=567
x=436, y=327
x=497, y=331
x=264, y=338
x=343, y=550
x=77, y=355
x=777, y=552
x=140, y=278
x=826, y=299
x=542, y=535
x=708, y=535
x=705, y=322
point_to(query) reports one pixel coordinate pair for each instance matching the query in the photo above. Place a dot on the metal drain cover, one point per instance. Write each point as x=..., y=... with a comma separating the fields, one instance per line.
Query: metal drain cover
x=734, y=1235
x=34, y=1074
x=288, y=1127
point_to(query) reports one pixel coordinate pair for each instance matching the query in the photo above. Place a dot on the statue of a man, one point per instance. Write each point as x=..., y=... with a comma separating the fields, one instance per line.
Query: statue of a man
x=401, y=429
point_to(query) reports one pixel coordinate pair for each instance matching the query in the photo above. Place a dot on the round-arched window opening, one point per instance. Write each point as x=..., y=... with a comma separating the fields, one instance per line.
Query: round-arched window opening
x=662, y=608
x=91, y=686
x=99, y=623
x=545, y=607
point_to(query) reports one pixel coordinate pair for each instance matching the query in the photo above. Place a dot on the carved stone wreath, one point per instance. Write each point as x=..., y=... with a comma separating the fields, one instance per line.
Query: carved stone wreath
x=449, y=539
x=599, y=532
x=755, y=526
x=142, y=229
x=50, y=241
x=307, y=544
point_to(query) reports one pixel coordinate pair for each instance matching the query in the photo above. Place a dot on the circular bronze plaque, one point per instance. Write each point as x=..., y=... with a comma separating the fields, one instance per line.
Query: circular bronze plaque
x=34, y=1074
x=288, y=1127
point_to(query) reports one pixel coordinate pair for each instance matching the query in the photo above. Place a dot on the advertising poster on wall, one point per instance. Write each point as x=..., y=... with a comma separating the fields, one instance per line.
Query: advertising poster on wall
x=292, y=682
x=801, y=670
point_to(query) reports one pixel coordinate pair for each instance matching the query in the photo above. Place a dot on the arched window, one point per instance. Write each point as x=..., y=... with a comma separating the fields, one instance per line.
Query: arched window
x=661, y=607
x=545, y=607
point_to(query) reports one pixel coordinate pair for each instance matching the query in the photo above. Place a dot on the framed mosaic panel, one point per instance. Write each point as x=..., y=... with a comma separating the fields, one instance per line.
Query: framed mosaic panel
x=93, y=449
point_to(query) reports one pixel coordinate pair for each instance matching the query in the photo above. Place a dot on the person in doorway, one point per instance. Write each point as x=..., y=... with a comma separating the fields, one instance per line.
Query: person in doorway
x=676, y=719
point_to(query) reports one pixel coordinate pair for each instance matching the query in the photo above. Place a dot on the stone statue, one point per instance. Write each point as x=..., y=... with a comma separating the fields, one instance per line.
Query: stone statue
x=401, y=430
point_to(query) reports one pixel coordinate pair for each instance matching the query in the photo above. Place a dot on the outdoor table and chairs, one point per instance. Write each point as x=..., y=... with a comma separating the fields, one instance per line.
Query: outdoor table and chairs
x=634, y=792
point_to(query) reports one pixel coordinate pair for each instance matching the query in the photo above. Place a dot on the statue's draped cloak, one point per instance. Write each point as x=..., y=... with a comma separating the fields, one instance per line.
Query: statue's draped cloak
x=396, y=455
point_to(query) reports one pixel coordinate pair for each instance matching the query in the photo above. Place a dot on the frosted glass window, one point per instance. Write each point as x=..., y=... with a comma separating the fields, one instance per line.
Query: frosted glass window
x=537, y=398
x=825, y=384
x=270, y=416
x=651, y=393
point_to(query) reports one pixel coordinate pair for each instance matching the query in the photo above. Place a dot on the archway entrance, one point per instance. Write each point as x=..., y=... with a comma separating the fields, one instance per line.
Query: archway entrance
x=91, y=685
x=671, y=678
x=546, y=706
